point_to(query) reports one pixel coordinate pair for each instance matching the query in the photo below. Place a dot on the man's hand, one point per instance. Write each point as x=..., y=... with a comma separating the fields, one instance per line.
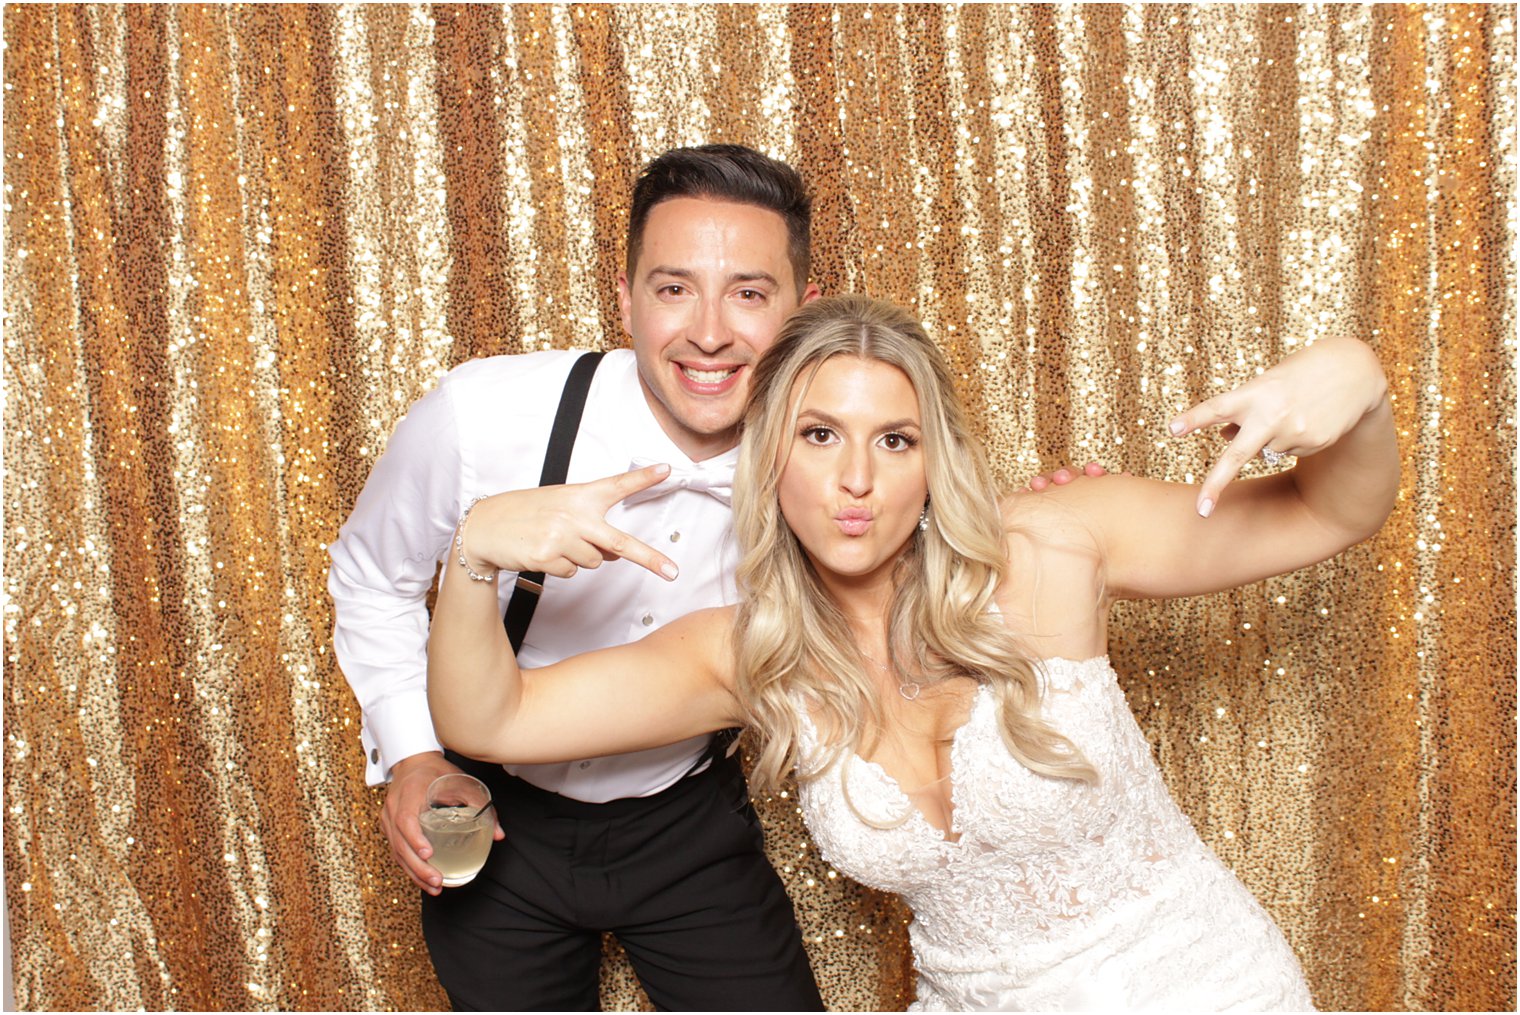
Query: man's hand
x=560, y=529
x=404, y=800
x=1064, y=475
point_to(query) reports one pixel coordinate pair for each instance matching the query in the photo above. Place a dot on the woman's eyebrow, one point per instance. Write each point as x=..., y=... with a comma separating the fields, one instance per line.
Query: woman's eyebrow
x=819, y=416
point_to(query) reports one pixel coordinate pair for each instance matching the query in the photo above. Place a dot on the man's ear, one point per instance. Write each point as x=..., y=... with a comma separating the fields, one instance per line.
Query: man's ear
x=625, y=303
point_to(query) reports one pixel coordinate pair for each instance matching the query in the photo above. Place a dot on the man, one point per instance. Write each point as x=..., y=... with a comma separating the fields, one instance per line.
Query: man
x=661, y=847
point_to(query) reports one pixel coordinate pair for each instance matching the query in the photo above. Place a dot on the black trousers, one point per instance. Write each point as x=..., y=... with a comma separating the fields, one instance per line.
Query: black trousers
x=680, y=877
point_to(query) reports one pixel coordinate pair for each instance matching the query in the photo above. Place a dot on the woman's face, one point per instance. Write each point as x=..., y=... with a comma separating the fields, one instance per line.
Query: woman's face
x=854, y=485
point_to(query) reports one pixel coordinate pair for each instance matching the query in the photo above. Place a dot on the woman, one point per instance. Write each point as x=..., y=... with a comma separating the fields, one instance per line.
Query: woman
x=931, y=660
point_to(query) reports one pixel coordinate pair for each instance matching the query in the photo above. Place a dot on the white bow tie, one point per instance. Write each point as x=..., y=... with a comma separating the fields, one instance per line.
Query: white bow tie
x=714, y=479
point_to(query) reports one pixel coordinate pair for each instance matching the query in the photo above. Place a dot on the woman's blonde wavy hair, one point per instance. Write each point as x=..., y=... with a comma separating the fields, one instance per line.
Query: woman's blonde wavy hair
x=941, y=624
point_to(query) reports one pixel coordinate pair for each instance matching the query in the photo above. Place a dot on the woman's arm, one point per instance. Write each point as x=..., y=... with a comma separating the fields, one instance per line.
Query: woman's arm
x=1328, y=405
x=669, y=686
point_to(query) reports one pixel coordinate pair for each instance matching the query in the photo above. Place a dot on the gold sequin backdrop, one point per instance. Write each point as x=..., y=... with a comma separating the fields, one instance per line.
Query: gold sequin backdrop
x=239, y=241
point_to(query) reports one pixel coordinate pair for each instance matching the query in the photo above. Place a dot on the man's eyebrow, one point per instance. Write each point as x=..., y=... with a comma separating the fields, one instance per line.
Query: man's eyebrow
x=754, y=276
x=666, y=271
x=661, y=269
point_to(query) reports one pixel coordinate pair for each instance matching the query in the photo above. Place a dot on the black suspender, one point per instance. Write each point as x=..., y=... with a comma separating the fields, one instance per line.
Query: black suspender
x=567, y=422
x=530, y=584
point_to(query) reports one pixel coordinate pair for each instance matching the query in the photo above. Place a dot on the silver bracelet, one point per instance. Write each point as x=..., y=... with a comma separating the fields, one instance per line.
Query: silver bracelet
x=459, y=545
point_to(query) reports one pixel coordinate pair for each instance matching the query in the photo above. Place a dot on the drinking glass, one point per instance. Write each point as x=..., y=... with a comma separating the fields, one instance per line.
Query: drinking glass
x=459, y=823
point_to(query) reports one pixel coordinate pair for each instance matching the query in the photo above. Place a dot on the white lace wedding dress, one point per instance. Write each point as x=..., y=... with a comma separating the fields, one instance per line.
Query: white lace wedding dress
x=1051, y=894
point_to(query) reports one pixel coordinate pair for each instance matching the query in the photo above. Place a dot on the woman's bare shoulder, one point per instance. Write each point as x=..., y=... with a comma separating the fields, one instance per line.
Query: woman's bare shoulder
x=714, y=624
x=1057, y=518
x=704, y=636
x=1053, y=594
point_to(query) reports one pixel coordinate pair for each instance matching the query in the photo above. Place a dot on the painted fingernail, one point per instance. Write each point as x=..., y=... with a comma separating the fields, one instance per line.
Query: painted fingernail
x=661, y=469
x=1177, y=426
x=669, y=570
x=1205, y=507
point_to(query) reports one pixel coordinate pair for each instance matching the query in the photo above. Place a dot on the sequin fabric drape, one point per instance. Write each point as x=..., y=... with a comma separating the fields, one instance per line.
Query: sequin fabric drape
x=239, y=241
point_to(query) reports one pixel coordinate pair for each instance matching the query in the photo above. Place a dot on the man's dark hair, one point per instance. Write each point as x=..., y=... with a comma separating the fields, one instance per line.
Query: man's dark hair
x=726, y=172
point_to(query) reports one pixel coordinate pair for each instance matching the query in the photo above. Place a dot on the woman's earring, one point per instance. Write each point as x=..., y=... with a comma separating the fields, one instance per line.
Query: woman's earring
x=923, y=519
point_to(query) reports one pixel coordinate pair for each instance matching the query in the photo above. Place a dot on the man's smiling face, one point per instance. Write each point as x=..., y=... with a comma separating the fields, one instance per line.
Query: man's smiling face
x=712, y=287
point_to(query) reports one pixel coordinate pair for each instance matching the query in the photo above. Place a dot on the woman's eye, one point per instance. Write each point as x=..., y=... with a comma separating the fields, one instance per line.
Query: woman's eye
x=897, y=442
x=818, y=435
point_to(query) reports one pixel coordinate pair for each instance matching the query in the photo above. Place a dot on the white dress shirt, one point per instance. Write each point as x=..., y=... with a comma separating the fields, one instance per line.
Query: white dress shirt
x=483, y=431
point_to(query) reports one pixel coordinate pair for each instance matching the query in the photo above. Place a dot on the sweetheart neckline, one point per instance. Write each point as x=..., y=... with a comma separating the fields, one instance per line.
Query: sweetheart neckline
x=915, y=811
x=943, y=835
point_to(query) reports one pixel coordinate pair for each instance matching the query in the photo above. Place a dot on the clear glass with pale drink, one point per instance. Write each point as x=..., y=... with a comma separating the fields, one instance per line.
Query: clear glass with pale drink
x=459, y=823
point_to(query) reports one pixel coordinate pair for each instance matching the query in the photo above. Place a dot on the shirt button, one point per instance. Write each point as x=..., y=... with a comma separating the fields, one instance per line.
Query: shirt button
x=585, y=765
x=374, y=755
x=648, y=619
x=675, y=537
